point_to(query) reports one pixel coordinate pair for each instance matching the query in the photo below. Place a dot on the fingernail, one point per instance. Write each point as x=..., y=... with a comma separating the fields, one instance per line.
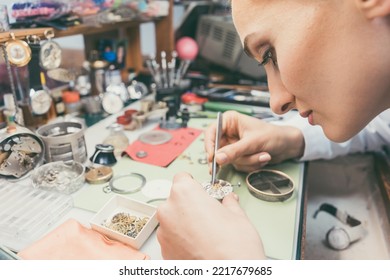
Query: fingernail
x=264, y=157
x=221, y=158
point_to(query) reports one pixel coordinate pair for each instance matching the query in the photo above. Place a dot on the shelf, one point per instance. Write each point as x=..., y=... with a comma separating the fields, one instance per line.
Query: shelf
x=129, y=30
x=85, y=29
x=23, y=33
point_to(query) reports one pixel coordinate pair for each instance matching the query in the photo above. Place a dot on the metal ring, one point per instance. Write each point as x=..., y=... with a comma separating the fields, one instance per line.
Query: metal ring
x=111, y=188
x=270, y=185
x=156, y=200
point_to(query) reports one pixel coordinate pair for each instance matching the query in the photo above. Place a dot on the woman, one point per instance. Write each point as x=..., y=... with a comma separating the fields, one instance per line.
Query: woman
x=327, y=59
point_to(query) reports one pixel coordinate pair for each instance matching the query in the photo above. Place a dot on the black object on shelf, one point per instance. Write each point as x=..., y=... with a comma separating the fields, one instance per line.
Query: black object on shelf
x=246, y=97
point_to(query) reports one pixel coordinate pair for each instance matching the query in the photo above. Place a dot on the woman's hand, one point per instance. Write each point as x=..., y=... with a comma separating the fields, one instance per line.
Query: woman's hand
x=194, y=225
x=249, y=143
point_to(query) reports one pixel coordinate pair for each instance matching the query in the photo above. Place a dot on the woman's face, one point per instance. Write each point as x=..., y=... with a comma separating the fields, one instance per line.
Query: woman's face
x=323, y=58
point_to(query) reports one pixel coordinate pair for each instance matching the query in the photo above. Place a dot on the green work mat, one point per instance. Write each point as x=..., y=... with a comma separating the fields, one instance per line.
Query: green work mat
x=277, y=222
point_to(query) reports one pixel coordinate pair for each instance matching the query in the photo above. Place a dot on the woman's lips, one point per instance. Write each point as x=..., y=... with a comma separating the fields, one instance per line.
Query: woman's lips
x=309, y=116
x=310, y=119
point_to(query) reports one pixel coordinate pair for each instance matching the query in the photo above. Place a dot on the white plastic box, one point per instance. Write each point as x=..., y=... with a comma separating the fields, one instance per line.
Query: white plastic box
x=121, y=204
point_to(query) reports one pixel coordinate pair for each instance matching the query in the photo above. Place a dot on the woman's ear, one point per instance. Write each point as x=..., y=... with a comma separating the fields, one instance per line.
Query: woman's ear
x=374, y=8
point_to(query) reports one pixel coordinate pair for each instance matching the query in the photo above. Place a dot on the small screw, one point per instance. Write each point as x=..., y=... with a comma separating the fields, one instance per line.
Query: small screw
x=141, y=154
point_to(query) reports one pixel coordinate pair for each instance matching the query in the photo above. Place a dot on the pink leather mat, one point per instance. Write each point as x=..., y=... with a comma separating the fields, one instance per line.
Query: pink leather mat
x=73, y=241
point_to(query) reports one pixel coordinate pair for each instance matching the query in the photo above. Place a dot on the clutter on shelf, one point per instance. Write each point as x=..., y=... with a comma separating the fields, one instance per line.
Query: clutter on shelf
x=61, y=14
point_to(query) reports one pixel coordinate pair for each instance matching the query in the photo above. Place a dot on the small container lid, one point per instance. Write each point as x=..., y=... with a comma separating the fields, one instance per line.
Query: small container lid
x=99, y=175
x=70, y=96
x=130, y=113
x=123, y=120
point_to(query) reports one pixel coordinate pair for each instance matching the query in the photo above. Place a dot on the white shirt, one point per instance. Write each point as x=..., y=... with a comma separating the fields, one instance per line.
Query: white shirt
x=373, y=137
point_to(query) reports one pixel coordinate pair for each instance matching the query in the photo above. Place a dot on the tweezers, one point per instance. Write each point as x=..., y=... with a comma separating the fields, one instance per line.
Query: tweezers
x=218, y=132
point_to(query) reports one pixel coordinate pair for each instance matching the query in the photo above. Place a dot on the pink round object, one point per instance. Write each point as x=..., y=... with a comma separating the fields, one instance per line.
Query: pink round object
x=187, y=48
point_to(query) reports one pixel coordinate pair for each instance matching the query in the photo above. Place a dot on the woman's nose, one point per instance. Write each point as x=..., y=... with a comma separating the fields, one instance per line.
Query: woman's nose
x=281, y=100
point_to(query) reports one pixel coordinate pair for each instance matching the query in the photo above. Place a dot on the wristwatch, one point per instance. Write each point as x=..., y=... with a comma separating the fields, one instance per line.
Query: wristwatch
x=137, y=89
x=112, y=103
x=340, y=237
x=40, y=102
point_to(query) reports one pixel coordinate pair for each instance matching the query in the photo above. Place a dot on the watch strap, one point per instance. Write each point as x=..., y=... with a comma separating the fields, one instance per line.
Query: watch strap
x=355, y=231
x=33, y=66
x=341, y=215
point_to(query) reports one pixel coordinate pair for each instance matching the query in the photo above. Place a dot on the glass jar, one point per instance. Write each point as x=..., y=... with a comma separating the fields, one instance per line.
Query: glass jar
x=117, y=138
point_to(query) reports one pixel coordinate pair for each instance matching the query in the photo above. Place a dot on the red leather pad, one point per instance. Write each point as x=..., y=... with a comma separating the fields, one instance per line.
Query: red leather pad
x=163, y=154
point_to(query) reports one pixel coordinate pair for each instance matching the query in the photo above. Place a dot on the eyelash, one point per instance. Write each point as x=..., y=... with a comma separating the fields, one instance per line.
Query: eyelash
x=268, y=55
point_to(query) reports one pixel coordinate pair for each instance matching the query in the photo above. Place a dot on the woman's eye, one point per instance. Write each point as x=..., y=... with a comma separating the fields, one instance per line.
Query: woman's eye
x=268, y=55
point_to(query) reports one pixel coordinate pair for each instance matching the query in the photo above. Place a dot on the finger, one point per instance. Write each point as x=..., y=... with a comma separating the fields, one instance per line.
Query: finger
x=180, y=181
x=252, y=162
x=231, y=202
x=209, y=141
x=264, y=157
x=185, y=186
x=229, y=153
x=210, y=165
x=249, y=168
x=253, y=159
x=181, y=176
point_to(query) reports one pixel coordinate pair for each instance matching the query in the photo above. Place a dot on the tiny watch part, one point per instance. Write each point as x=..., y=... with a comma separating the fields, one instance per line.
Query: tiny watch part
x=219, y=189
x=40, y=102
x=112, y=103
x=141, y=154
x=99, y=175
x=18, y=52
